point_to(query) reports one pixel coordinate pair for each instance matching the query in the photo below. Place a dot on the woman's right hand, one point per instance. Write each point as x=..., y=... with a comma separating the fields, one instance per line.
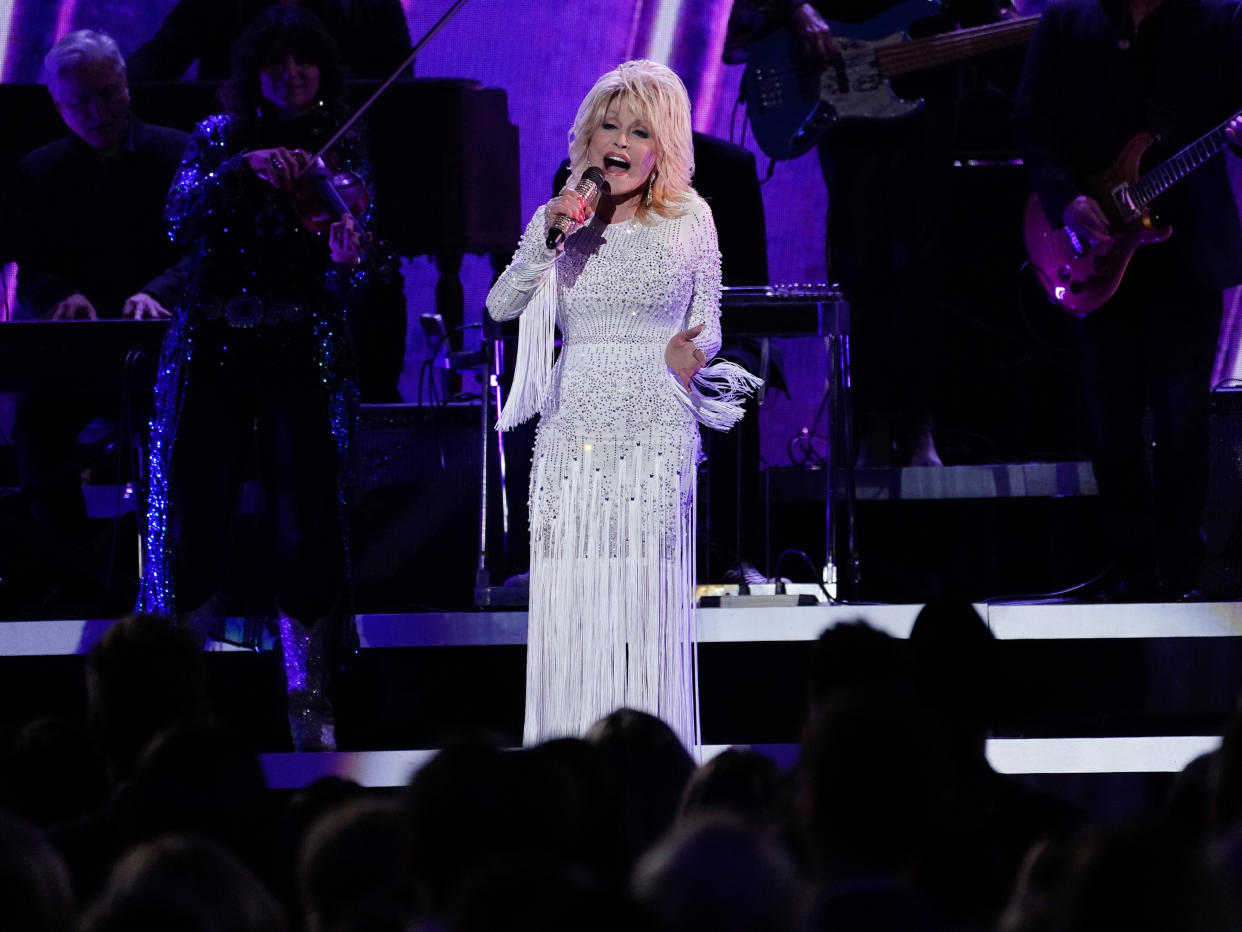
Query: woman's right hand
x=279, y=167
x=568, y=203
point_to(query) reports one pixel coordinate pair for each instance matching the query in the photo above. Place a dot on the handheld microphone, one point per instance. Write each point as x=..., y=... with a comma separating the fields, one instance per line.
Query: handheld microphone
x=588, y=189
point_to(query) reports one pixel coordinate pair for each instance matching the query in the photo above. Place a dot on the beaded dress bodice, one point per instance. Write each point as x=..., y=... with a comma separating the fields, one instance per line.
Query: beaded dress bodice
x=623, y=290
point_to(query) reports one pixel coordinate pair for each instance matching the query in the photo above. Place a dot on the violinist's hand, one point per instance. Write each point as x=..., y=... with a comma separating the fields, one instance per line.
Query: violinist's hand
x=74, y=307
x=814, y=33
x=1084, y=216
x=683, y=357
x=345, y=242
x=568, y=203
x=142, y=306
x=279, y=167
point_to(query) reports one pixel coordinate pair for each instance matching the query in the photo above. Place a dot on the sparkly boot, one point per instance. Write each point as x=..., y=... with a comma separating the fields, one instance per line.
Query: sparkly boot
x=304, y=655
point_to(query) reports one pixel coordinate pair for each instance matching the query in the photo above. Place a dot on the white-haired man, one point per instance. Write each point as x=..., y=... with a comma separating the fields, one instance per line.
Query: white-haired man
x=87, y=226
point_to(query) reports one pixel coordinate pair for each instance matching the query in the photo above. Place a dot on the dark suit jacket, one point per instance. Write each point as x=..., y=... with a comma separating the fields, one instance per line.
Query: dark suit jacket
x=81, y=224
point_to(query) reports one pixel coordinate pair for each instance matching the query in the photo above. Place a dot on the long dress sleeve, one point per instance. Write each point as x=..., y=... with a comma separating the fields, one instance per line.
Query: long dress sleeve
x=705, y=261
x=528, y=288
x=719, y=390
x=209, y=180
x=532, y=264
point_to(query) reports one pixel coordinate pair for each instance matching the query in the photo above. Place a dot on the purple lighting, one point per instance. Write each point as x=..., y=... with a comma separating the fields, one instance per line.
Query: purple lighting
x=64, y=18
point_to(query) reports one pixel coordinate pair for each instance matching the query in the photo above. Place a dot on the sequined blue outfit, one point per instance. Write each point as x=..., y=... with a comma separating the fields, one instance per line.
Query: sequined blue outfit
x=257, y=370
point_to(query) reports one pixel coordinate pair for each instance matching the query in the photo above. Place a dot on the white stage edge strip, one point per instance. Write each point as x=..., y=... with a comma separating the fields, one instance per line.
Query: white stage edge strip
x=1007, y=755
x=1098, y=755
x=735, y=622
x=57, y=638
x=367, y=768
x=1152, y=620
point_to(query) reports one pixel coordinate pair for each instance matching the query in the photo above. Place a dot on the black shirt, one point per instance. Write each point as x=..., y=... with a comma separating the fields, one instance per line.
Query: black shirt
x=1092, y=81
x=84, y=224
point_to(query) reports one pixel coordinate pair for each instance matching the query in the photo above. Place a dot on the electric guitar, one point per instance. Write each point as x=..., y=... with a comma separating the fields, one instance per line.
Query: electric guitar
x=1079, y=276
x=791, y=100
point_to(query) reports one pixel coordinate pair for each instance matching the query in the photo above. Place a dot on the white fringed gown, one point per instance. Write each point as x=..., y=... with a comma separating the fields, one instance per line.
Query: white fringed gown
x=612, y=491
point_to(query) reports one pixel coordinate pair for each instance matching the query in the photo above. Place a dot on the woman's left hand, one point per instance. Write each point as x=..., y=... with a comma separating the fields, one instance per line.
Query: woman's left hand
x=683, y=357
x=345, y=242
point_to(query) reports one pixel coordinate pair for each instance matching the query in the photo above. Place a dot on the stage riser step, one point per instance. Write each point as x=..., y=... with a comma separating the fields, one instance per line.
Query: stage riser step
x=395, y=698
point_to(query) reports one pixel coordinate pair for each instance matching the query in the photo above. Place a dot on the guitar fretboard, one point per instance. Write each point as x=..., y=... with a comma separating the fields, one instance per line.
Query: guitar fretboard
x=1176, y=167
x=917, y=54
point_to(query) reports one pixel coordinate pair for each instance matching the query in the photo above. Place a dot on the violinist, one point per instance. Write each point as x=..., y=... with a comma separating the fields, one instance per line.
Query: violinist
x=86, y=229
x=257, y=371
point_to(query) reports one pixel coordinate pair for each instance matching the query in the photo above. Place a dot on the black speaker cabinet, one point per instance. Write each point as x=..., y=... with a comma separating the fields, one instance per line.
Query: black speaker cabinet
x=1222, y=523
x=415, y=527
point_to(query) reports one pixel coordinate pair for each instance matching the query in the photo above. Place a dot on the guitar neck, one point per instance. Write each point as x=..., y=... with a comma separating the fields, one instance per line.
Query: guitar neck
x=905, y=57
x=1176, y=167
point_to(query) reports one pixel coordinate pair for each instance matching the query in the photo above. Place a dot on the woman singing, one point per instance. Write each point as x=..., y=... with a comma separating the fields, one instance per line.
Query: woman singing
x=635, y=290
x=257, y=367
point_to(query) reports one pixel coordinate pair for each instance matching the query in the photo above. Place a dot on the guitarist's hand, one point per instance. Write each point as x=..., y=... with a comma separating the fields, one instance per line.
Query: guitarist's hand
x=816, y=35
x=1234, y=130
x=1085, y=218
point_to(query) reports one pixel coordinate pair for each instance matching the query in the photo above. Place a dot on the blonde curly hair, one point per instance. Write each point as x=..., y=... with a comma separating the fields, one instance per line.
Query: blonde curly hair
x=660, y=97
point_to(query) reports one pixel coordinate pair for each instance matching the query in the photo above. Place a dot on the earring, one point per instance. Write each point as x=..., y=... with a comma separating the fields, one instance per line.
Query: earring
x=650, y=185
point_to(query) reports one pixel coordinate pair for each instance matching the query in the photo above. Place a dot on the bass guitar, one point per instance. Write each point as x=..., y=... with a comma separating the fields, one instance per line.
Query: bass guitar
x=792, y=100
x=1080, y=276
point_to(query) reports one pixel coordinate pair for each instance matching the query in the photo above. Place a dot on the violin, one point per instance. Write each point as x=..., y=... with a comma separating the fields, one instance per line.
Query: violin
x=322, y=194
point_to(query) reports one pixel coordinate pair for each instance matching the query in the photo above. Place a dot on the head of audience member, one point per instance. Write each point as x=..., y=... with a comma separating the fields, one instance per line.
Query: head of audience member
x=1189, y=800
x=300, y=813
x=740, y=781
x=142, y=677
x=1141, y=876
x=461, y=807
x=353, y=870
x=853, y=654
x=183, y=883
x=577, y=806
x=202, y=780
x=650, y=767
x=954, y=664
x=872, y=785
x=284, y=65
x=35, y=893
x=537, y=894
x=1032, y=903
x=52, y=773
x=474, y=804
x=720, y=873
x=1225, y=779
x=85, y=74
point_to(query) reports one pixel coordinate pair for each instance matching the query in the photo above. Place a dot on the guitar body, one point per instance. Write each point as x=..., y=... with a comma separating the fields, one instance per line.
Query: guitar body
x=791, y=102
x=1081, y=279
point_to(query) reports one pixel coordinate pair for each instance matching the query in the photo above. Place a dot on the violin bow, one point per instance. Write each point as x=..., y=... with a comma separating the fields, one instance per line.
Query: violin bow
x=440, y=24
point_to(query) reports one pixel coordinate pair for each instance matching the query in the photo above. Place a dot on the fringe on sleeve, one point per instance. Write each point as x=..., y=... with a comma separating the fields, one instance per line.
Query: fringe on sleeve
x=536, y=340
x=717, y=393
